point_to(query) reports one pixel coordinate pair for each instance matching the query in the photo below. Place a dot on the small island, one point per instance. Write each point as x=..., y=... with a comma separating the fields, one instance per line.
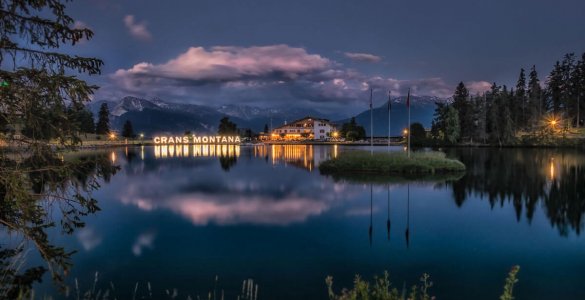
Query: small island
x=391, y=163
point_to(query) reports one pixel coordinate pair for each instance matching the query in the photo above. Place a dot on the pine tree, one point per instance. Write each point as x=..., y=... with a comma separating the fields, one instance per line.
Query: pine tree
x=555, y=85
x=535, y=111
x=578, y=90
x=452, y=129
x=480, y=112
x=492, y=102
x=128, y=130
x=581, y=91
x=518, y=108
x=506, y=127
x=227, y=127
x=266, y=128
x=462, y=105
x=103, y=124
x=39, y=83
x=445, y=126
x=568, y=98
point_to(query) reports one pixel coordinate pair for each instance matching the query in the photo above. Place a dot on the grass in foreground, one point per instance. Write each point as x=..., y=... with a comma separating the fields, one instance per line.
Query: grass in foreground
x=384, y=163
x=380, y=289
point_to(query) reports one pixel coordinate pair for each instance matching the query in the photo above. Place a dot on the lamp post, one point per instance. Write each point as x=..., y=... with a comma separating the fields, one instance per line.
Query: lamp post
x=553, y=123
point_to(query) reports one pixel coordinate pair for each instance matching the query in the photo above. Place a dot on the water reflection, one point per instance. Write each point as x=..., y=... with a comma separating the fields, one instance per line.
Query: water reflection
x=521, y=177
x=196, y=150
x=526, y=178
x=273, y=207
x=250, y=196
x=303, y=156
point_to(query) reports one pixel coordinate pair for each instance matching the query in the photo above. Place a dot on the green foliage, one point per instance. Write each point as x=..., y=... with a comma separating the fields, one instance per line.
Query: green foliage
x=511, y=280
x=227, y=127
x=42, y=110
x=500, y=116
x=128, y=130
x=390, y=163
x=103, y=123
x=445, y=127
x=352, y=131
x=380, y=289
x=461, y=103
x=418, y=134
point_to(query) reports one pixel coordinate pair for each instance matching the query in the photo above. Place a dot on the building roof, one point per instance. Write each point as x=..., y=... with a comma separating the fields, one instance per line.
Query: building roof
x=301, y=120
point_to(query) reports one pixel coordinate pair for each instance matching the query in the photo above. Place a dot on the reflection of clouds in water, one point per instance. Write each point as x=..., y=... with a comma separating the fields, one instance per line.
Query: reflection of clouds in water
x=360, y=211
x=202, y=209
x=256, y=194
x=260, y=199
x=144, y=240
x=88, y=238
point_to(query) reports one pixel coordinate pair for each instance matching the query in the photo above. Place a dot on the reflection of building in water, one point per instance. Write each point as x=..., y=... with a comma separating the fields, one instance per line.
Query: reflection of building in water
x=304, y=156
x=196, y=150
x=304, y=129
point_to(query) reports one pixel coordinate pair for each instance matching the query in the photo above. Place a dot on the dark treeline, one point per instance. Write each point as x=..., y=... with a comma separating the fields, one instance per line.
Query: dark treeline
x=506, y=115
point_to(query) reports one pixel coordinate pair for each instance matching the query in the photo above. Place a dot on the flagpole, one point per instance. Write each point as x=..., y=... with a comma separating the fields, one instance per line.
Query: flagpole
x=389, y=123
x=371, y=124
x=408, y=130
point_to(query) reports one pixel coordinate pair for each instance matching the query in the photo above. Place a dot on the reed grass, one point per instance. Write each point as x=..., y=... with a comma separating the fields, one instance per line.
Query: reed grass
x=385, y=163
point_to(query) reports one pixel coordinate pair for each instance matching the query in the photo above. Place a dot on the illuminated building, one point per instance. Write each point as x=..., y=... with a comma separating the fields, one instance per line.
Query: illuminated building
x=304, y=129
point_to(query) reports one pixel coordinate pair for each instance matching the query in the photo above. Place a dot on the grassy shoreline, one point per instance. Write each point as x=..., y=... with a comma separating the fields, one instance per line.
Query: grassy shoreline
x=383, y=163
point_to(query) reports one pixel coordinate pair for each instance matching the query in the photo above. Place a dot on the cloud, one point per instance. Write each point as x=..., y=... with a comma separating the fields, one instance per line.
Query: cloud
x=363, y=57
x=144, y=240
x=273, y=75
x=478, y=87
x=137, y=30
x=224, y=64
x=88, y=238
x=80, y=25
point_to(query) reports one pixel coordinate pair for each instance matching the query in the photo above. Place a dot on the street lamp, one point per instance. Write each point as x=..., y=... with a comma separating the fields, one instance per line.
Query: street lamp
x=405, y=131
x=112, y=136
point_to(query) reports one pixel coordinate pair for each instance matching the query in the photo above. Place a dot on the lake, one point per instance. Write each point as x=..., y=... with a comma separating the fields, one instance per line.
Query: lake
x=177, y=217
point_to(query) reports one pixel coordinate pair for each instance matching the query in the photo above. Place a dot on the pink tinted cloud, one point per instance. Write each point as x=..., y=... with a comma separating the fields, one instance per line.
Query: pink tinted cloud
x=363, y=57
x=228, y=63
x=137, y=30
x=478, y=87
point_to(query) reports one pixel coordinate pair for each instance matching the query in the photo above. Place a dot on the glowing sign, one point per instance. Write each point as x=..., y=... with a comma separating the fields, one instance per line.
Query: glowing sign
x=194, y=139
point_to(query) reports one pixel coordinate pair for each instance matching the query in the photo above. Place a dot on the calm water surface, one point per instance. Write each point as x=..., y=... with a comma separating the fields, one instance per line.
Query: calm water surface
x=178, y=216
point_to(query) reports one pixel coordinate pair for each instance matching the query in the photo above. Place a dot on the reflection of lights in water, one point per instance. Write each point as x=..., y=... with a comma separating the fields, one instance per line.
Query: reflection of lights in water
x=142, y=152
x=405, y=148
x=552, y=169
x=301, y=155
x=335, y=151
x=113, y=157
x=205, y=150
x=156, y=151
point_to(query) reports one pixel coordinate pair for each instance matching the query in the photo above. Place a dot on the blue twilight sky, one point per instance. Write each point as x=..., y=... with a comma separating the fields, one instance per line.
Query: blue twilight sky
x=320, y=53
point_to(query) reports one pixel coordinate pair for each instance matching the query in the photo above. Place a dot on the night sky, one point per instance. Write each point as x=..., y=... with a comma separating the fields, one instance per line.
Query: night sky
x=324, y=54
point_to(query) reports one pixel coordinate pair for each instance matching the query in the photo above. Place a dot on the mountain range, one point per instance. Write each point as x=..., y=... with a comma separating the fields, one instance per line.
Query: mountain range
x=157, y=116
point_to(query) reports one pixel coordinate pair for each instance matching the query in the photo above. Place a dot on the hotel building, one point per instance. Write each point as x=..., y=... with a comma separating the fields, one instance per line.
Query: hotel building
x=304, y=129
